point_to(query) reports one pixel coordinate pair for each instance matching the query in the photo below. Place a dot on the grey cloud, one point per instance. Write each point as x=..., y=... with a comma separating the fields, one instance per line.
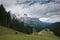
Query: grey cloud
x=34, y=8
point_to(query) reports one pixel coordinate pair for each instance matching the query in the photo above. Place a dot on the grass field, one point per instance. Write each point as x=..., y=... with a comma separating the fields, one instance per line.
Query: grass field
x=9, y=34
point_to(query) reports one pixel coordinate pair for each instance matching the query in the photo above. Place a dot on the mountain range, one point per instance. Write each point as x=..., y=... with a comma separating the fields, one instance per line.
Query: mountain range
x=35, y=22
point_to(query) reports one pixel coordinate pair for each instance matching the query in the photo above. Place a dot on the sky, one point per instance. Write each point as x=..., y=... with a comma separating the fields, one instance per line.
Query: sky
x=45, y=10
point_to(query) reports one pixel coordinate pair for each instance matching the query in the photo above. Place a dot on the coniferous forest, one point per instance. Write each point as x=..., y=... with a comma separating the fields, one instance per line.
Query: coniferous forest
x=5, y=20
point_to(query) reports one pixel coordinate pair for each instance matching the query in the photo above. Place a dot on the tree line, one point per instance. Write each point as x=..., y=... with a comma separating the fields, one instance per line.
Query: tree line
x=55, y=28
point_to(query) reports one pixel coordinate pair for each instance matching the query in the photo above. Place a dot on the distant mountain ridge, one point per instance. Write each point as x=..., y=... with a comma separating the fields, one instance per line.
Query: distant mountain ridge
x=35, y=22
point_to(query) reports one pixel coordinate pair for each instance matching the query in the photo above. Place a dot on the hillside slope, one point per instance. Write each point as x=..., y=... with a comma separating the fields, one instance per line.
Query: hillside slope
x=5, y=31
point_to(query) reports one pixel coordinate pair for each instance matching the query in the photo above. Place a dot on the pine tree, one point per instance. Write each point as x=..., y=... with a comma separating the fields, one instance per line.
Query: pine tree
x=4, y=16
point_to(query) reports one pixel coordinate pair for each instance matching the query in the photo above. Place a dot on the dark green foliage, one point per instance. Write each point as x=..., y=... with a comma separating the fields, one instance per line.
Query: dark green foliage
x=55, y=28
x=4, y=16
x=19, y=26
x=15, y=24
x=28, y=29
x=38, y=29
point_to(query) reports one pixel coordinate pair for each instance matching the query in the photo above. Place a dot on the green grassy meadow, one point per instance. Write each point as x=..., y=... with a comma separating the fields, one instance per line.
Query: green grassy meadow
x=9, y=34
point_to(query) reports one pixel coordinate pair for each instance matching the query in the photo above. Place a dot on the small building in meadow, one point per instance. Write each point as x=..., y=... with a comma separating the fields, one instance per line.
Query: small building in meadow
x=45, y=31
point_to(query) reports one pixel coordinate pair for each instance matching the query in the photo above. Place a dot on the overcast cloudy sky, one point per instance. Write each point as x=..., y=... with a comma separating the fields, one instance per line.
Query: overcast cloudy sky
x=45, y=10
